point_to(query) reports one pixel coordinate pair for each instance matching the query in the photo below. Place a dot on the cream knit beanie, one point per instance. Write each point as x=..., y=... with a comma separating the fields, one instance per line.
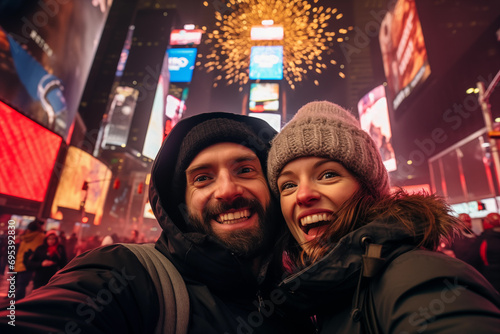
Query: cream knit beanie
x=324, y=129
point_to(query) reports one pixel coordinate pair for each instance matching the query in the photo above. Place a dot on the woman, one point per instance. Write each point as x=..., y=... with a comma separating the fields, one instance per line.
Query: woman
x=362, y=259
x=47, y=259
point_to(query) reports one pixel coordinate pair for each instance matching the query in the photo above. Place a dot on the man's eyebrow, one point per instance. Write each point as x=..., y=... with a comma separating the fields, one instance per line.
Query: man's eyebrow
x=239, y=159
x=196, y=168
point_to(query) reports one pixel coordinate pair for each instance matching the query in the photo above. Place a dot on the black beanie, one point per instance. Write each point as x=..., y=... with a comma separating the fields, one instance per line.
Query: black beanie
x=211, y=132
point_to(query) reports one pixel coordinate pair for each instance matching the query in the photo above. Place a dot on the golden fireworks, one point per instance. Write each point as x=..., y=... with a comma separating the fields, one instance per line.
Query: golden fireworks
x=304, y=42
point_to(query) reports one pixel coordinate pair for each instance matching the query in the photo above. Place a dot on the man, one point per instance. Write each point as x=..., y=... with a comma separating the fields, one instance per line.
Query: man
x=210, y=196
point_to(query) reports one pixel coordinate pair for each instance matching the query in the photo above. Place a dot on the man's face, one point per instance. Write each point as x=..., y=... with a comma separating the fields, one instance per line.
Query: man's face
x=227, y=197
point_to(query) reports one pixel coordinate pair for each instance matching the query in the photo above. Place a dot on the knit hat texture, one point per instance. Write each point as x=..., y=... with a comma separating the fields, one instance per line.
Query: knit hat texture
x=211, y=132
x=324, y=129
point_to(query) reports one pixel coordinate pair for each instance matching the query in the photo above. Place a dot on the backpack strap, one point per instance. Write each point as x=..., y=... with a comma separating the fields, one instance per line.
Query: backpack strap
x=172, y=292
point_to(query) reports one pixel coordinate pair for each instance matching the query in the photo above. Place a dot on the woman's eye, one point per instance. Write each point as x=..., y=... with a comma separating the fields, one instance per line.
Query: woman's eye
x=329, y=175
x=287, y=185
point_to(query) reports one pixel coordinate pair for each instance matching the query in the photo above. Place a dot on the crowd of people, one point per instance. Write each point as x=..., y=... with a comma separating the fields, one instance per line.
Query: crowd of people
x=482, y=251
x=40, y=254
x=290, y=232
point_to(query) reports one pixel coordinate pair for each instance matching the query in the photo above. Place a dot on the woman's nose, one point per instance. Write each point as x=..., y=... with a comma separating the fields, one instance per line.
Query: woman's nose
x=307, y=194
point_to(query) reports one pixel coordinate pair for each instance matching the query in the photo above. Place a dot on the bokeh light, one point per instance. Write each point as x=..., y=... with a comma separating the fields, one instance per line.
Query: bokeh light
x=306, y=38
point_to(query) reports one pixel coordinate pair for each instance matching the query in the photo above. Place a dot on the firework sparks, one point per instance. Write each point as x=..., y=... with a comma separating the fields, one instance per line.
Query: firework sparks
x=304, y=43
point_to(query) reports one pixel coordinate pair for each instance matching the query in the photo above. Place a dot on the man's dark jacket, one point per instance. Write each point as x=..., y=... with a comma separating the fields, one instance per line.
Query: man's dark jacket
x=107, y=290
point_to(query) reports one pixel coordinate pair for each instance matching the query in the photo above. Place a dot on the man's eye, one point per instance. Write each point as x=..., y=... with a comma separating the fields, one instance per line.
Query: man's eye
x=201, y=178
x=246, y=170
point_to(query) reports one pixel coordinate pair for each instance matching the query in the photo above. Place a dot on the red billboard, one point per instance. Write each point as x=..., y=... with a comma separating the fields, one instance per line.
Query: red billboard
x=28, y=152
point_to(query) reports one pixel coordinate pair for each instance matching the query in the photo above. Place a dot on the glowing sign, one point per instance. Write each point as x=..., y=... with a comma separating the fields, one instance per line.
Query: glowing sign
x=181, y=64
x=266, y=33
x=266, y=63
x=185, y=37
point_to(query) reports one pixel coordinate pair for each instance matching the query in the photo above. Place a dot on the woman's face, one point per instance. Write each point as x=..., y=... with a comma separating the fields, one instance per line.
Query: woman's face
x=51, y=240
x=311, y=190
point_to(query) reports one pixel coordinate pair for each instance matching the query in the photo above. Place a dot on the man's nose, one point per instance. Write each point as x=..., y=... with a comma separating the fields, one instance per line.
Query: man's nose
x=227, y=188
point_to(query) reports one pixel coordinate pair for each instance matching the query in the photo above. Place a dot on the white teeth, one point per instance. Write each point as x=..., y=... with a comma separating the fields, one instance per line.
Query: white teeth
x=233, y=217
x=314, y=218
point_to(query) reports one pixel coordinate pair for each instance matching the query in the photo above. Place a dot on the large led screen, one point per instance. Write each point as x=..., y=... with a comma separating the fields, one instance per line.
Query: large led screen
x=120, y=114
x=185, y=37
x=266, y=62
x=181, y=64
x=46, y=51
x=264, y=97
x=28, y=153
x=267, y=33
x=403, y=51
x=80, y=167
x=273, y=120
x=374, y=119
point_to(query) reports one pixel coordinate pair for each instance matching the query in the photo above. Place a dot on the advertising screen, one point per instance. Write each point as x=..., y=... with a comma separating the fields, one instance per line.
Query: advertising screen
x=173, y=111
x=403, y=51
x=266, y=62
x=46, y=50
x=80, y=167
x=156, y=127
x=28, y=152
x=264, y=97
x=273, y=120
x=267, y=33
x=120, y=116
x=185, y=37
x=181, y=64
x=374, y=119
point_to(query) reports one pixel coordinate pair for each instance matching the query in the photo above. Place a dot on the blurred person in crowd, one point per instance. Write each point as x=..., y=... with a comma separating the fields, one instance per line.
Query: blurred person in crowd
x=486, y=223
x=63, y=239
x=134, y=237
x=4, y=242
x=32, y=237
x=110, y=239
x=47, y=259
x=465, y=245
x=71, y=243
x=209, y=193
x=490, y=250
x=361, y=258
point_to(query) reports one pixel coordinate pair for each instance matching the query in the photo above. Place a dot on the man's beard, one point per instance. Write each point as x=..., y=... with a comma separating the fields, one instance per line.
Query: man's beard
x=245, y=243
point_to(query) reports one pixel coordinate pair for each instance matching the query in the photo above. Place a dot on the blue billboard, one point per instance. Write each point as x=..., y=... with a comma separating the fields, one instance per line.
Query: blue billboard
x=266, y=63
x=181, y=62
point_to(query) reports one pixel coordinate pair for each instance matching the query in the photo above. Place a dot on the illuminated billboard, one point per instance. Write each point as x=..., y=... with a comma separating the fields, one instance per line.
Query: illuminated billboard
x=266, y=62
x=120, y=116
x=185, y=37
x=46, y=50
x=264, y=97
x=273, y=120
x=374, y=119
x=403, y=51
x=181, y=62
x=80, y=167
x=28, y=152
x=267, y=33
